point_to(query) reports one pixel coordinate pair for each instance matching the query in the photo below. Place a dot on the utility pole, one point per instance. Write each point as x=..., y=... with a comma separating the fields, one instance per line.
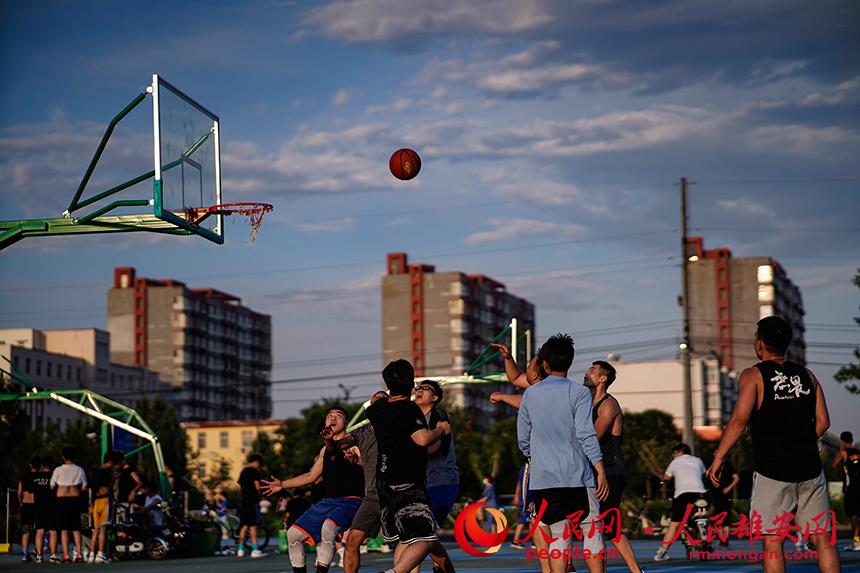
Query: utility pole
x=685, y=343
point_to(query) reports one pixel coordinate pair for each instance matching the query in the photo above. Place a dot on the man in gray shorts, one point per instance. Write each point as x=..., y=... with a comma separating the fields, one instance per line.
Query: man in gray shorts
x=785, y=407
x=366, y=522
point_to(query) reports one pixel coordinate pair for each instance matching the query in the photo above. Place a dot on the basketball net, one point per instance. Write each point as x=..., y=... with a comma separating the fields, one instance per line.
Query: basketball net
x=253, y=213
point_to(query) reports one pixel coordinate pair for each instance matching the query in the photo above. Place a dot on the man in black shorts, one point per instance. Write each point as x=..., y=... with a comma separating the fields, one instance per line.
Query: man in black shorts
x=721, y=498
x=608, y=424
x=402, y=440
x=44, y=504
x=249, y=506
x=687, y=470
x=26, y=497
x=555, y=432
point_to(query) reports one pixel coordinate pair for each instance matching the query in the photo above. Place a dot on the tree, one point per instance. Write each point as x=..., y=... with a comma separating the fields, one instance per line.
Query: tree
x=218, y=477
x=647, y=448
x=162, y=418
x=852, y=370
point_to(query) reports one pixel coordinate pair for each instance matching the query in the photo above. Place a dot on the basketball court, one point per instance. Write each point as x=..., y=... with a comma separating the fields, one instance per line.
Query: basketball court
x=506, y=560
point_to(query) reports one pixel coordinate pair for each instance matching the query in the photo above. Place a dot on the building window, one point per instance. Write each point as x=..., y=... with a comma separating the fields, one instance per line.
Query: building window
x=765, y=274
x=246, y=439
x=766, y=293
x=724, y=313
x=48, y=369
x=225, y=440
x=79, y=374
x=201, y=440
x=27, y=366
x=38, y=367
x=201, y=471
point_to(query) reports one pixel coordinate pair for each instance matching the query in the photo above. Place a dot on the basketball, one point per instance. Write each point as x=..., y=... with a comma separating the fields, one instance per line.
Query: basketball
x=404, y=164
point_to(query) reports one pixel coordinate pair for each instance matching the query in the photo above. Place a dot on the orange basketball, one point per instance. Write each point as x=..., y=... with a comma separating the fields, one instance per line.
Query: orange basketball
x=404, y=164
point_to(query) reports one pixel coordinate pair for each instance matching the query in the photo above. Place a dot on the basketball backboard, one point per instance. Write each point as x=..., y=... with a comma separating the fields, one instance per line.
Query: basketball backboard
x=186, y=179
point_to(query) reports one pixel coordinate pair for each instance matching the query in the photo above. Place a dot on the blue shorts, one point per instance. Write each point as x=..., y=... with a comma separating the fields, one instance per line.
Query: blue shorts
x=339, y=510
x=442, y=499
x=525, y=500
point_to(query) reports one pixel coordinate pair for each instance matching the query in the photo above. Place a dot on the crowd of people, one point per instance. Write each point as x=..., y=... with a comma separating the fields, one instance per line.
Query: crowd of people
x=397, y=473
x=56, y=498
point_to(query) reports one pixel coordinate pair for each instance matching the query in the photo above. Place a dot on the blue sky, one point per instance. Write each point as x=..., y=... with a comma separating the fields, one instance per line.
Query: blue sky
x=552, y=133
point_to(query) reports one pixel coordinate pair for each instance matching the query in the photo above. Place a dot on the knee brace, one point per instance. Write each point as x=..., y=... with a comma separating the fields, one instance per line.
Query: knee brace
x=295, y=539
x=325, y=549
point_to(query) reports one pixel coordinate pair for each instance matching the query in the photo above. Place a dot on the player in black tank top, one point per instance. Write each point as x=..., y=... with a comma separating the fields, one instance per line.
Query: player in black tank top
x=598, y=379
x=785, y=444
x=341, y=478
x=787, y=413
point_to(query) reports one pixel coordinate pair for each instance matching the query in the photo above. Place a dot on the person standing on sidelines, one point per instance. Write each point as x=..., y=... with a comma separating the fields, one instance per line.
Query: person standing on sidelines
x=402, y=439
x=608, y=425
x=555, y=432
x=101, y=484
x=687, y=470
x=785, y=407
x=849, y=457
x=26, y=499
x=45, y=506
x=70, y=482
x=249, y=506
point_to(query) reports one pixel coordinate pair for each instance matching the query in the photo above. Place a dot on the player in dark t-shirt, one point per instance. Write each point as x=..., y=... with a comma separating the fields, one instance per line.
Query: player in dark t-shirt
x=249, y=506
x=402, y=440
x=44, y=504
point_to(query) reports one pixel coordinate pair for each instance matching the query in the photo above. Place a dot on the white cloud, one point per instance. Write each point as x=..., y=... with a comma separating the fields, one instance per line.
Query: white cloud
x=538, y=69
x=386, y=20
x=804, y=140
x=506, y=229
x=341, y=97
x=746, y=207
x=333, y=226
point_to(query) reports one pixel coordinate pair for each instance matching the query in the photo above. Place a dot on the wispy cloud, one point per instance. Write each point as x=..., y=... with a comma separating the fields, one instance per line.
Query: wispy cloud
x=334, y=226
x=514, y=228
x=393, y=20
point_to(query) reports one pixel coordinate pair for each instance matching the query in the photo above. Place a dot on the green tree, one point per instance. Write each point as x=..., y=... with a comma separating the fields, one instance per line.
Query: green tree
x=162, y=418
x=647, y=449
x=851, y=371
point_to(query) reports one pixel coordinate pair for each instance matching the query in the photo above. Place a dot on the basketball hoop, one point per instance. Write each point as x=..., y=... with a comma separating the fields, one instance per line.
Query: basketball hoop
x=253, y=213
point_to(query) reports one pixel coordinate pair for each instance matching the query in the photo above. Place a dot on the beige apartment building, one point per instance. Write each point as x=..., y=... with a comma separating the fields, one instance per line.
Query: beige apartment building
x=442, y=321
x=228, y=440
x=72, y=359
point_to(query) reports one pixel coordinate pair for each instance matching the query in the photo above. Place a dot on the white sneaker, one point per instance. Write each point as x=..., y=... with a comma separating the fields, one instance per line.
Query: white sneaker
x=240, y=552
x=90, y=558
x=662, y=555
x=256, y=554
x=101, y=558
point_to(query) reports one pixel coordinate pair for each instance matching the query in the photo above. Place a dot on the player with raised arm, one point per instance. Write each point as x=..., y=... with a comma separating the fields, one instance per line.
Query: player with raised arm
x=343, y=484
x=608, y=425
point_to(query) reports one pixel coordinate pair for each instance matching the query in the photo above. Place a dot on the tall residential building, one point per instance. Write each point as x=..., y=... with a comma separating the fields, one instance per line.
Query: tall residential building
x=202, y=341
x=72, y=359
x=728, y=295
x=442, y=321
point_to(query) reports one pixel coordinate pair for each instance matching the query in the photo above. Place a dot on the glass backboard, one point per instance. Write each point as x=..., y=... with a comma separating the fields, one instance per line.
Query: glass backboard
x=187, y=157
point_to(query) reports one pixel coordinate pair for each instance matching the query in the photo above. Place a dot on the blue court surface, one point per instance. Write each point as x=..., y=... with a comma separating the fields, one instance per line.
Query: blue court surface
x=506, y=560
